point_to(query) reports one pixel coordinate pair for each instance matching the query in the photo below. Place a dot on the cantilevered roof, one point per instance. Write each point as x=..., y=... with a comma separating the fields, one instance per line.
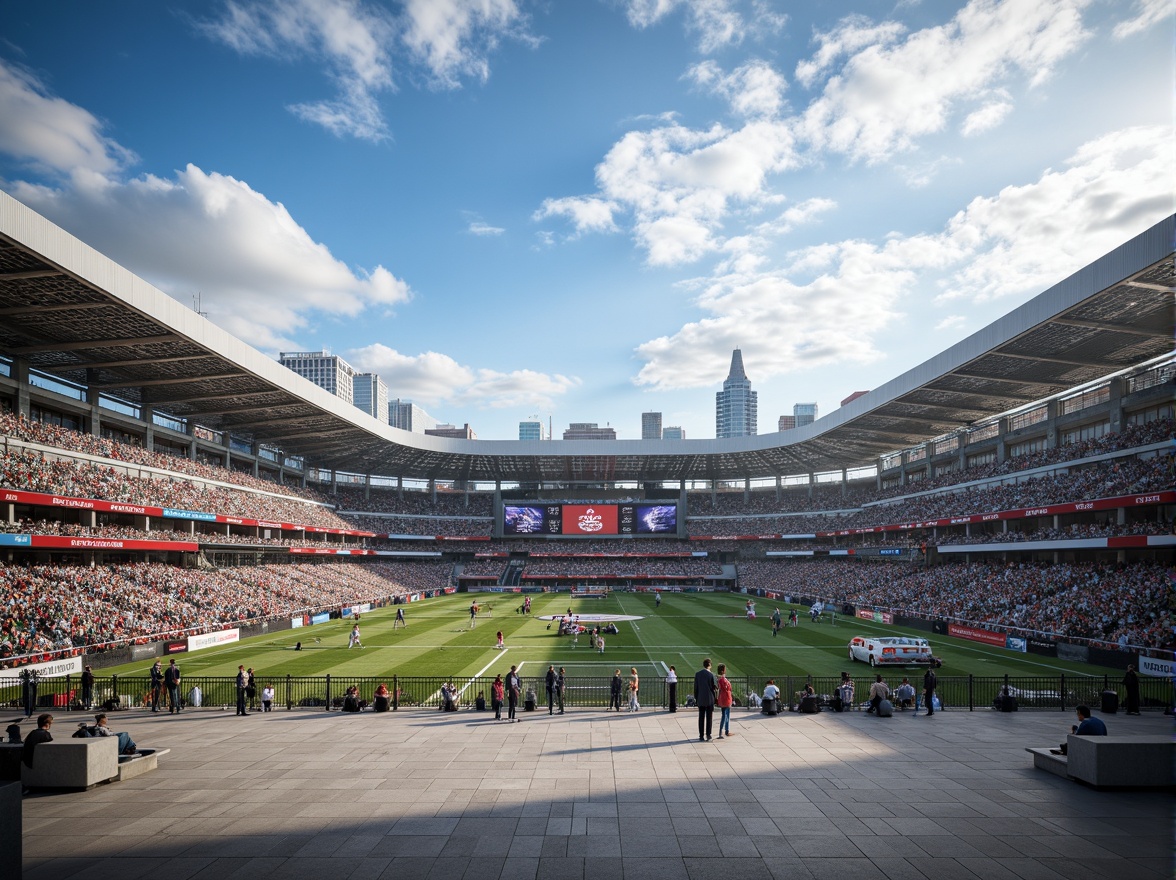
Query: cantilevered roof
x=70, y=311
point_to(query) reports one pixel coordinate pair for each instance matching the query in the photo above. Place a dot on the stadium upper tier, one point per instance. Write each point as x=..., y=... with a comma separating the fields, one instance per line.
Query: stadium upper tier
x=70, y=312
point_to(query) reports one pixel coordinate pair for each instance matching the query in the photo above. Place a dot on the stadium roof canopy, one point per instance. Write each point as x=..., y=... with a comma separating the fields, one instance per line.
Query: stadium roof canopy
x=69, y=311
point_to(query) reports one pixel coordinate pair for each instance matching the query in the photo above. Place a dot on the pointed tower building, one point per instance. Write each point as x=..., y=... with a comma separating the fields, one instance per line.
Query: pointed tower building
x=735, y=405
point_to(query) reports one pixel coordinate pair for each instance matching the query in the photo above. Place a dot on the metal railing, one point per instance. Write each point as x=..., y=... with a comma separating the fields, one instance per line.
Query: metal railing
x=64, y=693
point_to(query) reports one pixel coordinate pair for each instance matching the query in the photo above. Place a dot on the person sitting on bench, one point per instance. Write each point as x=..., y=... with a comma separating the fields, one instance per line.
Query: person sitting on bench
x=771, y=700
x=126, y=745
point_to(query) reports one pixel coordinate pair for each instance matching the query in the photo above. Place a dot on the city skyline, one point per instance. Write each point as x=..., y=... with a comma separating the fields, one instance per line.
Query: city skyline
x=516, y=211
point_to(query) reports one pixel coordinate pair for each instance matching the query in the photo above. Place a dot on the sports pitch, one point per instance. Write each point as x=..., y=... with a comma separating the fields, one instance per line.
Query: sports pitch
x=439, y=641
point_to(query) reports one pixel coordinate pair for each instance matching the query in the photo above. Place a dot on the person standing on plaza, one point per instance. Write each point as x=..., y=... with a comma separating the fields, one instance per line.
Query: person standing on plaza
x=616, y=687
x=705, y=691
x=1131, y=687
x=514, y=686
x=267, y=698
x=634, y=689
x=497, y=695
x=242, y=683
x=549, y=683
x=156, y=684
x=87, y=688
x=672, y=688
x=561, y=683
x=723, y=700
x=929, y=684
x=251, y=688
x=171, y=679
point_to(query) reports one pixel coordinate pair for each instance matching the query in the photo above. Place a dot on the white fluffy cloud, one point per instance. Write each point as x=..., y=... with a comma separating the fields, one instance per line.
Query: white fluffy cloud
x=453, y=38
x=260, y=275
x=353, y=40
x=1147, y=13
x=585, y=214
x=717, y=23
x=433, y=378
x=1028, y=237
x=753, y=90
x=357, y=41
x=890, y=92
x=829, y=303
x=680, y=184
x=50, y=134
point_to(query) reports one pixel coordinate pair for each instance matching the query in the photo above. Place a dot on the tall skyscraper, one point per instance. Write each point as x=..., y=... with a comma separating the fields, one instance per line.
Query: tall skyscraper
x=673, y=432
x=804, y=413
x=324, y=370
x=530, y=430
x=736, y=404
x=588, y=431
x=651, y=425
x=371, y=395
x=786, y=423
x=407, y=416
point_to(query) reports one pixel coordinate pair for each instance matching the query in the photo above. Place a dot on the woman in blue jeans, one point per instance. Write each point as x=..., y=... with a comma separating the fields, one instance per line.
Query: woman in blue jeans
x=723, y=701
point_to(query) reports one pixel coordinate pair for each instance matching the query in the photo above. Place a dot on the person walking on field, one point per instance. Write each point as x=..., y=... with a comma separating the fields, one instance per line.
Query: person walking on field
x=399, y=621
x=705, y=691
x=354, y=640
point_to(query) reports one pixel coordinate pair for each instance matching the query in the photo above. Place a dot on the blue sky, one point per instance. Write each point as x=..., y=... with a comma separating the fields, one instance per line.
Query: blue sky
x=578, y=209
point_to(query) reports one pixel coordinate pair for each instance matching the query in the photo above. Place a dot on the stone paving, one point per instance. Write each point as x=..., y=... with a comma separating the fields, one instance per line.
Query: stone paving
x=598, y=795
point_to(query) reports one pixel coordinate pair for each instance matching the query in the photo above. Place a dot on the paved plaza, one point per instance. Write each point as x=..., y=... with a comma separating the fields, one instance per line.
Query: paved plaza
x=594, y=795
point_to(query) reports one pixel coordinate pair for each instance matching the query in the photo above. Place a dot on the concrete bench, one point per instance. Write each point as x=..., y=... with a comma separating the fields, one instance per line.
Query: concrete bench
x=1045, y=759
x=147, y=760
x=72, y=763
x=1130, y=761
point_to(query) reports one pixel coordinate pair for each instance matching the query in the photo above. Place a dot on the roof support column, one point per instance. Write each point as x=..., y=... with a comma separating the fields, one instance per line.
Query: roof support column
x=1002, y=448
x=812, y=479
x=1115, y=416
x=878, y=474
x=1051, y=422
x=255, y=450
x=147, y=414
x=92, y=398
x=779, y=488
x=746, y=490
x=367, y=487
x=190, y=430
x=20, y=372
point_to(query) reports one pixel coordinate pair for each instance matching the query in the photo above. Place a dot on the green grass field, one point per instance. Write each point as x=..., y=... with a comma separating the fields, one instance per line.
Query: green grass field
x=687, y=627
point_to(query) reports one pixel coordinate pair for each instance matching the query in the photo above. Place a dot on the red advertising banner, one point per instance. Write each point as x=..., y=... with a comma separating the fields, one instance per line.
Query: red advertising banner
x=56, y=542
x=975, y=634
x=876, y=616
x=39, y=499
x=589, y=519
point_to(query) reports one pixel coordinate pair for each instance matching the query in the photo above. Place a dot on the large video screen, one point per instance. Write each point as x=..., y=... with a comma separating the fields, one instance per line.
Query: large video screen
x=591, y=520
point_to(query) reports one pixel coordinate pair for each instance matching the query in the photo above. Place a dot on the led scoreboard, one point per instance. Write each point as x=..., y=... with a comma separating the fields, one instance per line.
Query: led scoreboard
x=590, y=520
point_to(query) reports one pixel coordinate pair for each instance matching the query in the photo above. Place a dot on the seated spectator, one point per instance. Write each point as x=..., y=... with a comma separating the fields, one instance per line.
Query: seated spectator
x=126, y=745
x=382, y=701
x=351, y=700
x=1086, y=726
x=38, y=736
x=879, y=691
x=905, y=694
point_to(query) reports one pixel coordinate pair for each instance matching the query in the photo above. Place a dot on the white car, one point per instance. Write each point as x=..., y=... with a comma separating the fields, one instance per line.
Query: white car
x=890, y=650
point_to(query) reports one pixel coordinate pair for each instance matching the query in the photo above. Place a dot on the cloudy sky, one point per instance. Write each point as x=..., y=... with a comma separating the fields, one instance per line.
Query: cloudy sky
x=576, y=210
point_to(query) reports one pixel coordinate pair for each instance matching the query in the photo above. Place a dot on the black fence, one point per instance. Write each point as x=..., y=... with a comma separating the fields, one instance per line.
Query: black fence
x=64, y=693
